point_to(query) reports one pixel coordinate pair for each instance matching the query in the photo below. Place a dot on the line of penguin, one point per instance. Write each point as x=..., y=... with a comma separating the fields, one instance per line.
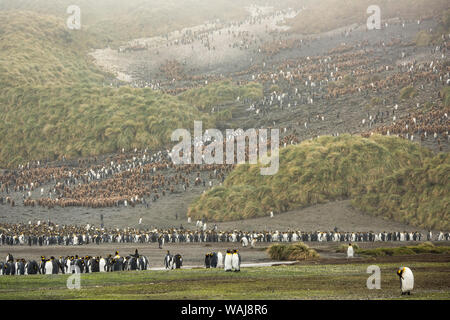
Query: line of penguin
x=185, y=236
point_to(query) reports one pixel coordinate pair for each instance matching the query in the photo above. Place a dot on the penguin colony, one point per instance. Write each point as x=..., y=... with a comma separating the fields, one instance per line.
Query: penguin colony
x=88, y=264
x=74, y=264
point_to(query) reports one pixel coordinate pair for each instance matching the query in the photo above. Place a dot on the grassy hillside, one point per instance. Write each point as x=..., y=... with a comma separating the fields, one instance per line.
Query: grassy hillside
x=48, y=122
x=415, y=195
x=326, y=15
x=39, y=50
x=54, y=102
x=115, y=21
x=325, y=169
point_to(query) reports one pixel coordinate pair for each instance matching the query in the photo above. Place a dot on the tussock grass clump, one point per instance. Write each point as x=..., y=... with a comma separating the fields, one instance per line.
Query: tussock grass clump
x=423, y=39
x=422, y=248
x=445, y=94
x=313, y=172
x=291, y=252
x=407, y=93
x=414, y=195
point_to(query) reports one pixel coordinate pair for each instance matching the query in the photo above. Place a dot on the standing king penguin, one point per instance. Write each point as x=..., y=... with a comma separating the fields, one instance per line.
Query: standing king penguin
x=236, y=261
x=219, y=259
x=168, y=261
x=227, y=264
x=350, y=251
x=406, y=280
x=208, y=260
x=213, y=260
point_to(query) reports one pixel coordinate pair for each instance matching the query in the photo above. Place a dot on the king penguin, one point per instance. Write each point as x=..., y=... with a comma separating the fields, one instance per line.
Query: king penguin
x=208, y=260
x=349, y=251
x=49, y=267
x=168, y=261
x=102, y=265
x=236, y=261
x=406, y=280
x=227, y=264
x=219, y=259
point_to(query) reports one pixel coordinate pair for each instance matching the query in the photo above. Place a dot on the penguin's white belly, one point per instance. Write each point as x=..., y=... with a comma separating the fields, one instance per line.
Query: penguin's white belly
x=235, y=262
x=48, y=267
x=350, y=252
x=102, y=265
x=219, y=259
x=228, y=265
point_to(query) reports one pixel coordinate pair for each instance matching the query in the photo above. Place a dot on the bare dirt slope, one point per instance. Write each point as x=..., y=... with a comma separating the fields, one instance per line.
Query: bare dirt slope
x=322, y=217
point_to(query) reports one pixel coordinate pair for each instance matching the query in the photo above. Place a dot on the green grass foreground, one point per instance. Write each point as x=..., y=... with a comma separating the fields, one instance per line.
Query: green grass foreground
x=345, y=281
x=405, y=250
